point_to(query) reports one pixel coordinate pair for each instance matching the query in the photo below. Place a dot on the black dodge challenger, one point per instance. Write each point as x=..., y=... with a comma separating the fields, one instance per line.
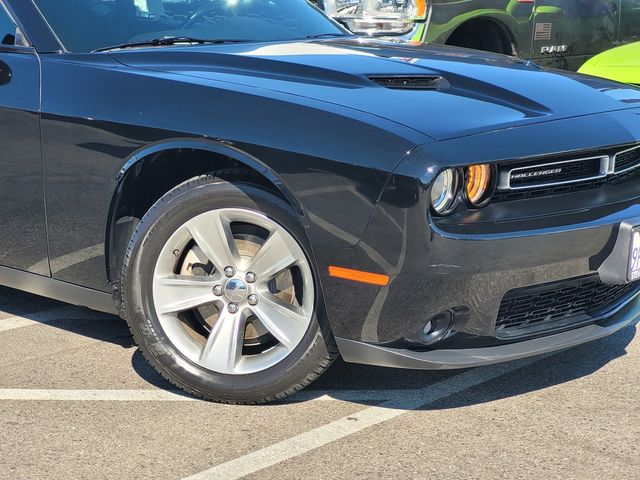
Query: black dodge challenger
x=256, y=190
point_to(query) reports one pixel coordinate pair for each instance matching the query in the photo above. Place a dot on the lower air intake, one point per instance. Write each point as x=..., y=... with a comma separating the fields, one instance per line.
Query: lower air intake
x=551, y=306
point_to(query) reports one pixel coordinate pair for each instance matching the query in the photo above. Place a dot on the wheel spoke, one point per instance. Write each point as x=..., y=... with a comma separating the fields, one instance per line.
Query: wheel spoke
x=274, y=256
x=285, y=322
x=178, y=293
x=208, y=239
x=223, y=349
x=212, y=233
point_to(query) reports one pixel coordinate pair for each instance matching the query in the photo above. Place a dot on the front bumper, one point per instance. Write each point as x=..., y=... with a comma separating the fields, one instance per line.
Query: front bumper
x=470, y=261
x=359, y=352
x=471, y=266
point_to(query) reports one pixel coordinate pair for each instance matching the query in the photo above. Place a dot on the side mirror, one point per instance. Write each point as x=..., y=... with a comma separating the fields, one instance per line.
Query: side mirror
x=9, y=39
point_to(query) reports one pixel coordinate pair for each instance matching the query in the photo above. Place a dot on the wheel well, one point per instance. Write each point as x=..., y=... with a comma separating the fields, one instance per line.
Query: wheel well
x=151, y=177
x=484, y=34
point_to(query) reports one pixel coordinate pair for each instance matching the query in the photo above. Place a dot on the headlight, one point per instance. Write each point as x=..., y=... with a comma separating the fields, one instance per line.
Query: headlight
x=377, y=17
x=445, y=190
x=479, y=184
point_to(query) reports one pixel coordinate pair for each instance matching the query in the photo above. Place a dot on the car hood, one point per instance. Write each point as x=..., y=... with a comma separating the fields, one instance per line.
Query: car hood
x=455, y=92
x=624, y=56
x=621, y=64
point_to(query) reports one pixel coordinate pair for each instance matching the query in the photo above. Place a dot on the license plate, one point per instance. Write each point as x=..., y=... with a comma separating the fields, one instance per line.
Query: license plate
x=633, y=272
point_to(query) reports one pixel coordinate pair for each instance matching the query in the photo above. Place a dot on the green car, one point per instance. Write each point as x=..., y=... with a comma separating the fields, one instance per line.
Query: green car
x=621, y=64
x=555, y=33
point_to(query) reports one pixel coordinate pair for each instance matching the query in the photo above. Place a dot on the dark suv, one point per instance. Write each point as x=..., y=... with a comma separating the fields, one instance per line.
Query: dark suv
x=558, y=33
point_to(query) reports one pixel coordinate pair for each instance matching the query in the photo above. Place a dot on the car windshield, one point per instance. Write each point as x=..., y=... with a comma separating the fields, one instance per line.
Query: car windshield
x=88, y=25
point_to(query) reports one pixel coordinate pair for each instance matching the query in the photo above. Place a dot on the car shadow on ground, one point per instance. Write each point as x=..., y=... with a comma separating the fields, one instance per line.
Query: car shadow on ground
x=343, y=381
x=546, y=371
x=369, y=385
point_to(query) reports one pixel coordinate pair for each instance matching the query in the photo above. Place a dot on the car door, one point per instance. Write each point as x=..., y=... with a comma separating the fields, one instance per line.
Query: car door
x=23, y=242
x=567, y=32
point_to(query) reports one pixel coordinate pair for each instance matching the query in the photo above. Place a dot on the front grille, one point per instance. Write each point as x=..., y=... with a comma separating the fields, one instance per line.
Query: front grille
x=507, y=195
x=583, y=169
x=559, y=304
x=628, y=159
x=574, y=176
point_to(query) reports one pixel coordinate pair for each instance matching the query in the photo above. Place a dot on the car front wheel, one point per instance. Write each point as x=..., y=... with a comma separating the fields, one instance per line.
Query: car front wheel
x=220, y=294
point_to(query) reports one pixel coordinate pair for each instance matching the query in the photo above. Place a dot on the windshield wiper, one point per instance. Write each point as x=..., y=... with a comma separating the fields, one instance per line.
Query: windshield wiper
x=167, y=41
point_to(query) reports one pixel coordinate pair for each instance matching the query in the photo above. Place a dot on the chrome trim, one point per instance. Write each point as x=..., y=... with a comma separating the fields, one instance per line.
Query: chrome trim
x=615, y=157
x=331, y=10
x=504, y=180
x=453, y=195
x=409, y=35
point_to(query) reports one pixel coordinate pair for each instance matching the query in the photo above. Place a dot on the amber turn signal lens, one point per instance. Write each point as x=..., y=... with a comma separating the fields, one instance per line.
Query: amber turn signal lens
x=421, y=9
x=359, y=276
x=479, y=184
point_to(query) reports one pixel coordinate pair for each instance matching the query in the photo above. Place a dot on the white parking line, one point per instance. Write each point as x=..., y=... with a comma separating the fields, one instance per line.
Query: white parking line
x=400, y=403
x=391, y=403
x=48, y=316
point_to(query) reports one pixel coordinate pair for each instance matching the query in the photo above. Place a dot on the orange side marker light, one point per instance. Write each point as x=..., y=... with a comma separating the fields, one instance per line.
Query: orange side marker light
x=359, y=276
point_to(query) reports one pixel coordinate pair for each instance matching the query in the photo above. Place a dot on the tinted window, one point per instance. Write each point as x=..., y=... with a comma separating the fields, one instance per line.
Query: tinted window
x=7, y=29
x=86, y=25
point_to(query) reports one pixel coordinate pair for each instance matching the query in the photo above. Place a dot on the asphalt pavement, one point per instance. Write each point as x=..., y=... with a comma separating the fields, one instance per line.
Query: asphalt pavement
x=77, y=400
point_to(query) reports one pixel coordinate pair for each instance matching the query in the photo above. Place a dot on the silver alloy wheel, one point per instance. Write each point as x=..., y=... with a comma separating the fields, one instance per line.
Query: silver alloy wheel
x=240, y=286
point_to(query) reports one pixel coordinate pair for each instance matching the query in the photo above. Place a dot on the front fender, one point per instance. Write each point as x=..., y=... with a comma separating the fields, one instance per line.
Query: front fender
x=213, y=146
x=331, y=161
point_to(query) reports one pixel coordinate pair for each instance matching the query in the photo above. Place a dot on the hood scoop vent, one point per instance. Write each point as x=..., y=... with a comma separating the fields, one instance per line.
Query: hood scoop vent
x=412, y=82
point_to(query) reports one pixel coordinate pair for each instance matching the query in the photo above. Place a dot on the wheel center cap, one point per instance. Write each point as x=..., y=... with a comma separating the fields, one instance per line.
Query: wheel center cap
x=235, y=290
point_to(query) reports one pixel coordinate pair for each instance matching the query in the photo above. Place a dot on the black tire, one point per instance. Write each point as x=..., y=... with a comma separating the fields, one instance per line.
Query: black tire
x=481, y=35
x=304, y=364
